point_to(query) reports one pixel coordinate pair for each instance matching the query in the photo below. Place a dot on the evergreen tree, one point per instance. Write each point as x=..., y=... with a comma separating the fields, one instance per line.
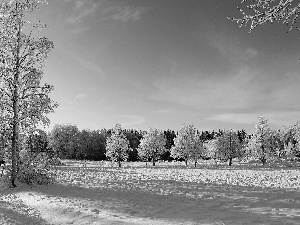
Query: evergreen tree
x=134, y=140
x=64, y=139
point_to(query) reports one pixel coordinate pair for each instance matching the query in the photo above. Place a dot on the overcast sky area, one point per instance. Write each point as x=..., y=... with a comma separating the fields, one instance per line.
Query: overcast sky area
x=146, y=63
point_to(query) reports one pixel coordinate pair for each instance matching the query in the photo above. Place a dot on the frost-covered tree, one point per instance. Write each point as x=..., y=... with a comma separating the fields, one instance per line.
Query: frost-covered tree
x=277, y=143
x=259, y=146
x=210, y=149
x=4, y=140
x=291, y=140
x=228, y=146
x=188, y=144
x=297, y=137
x=152, y=145
x=117, y=145
x=198, y=152
x=259, y=12
x=24, y=101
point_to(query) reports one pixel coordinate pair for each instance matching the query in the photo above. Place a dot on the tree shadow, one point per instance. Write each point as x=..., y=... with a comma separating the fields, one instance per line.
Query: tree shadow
x=231, y=205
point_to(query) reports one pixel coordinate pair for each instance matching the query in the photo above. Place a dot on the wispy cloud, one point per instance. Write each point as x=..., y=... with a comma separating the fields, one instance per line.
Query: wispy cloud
x=125, y=13
x=80, y=96
x=164, y=111
x=213, y=92
x=82, y=9
x=91, y=66
x=277, y=118
x=131, y=120
x=229, y=47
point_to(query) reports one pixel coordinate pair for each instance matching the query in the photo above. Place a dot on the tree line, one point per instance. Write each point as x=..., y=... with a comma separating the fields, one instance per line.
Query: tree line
x=187, y=144
x=71, y=143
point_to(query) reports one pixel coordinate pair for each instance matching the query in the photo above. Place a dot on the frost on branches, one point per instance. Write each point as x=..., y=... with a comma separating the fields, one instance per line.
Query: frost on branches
x=270, y=11
x=211, y=149
x=188, y=144
x=24, y=101
x=117, y=146
x=36, y=160
x=152, y=145
x=260, y=144
x=291, y=140
x=228, y=146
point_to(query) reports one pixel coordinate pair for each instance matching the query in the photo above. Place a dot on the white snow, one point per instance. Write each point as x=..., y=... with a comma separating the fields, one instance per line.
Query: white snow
x=101, y=193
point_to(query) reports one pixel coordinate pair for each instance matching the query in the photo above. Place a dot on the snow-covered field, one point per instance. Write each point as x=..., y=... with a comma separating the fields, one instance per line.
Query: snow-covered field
x=102, y=193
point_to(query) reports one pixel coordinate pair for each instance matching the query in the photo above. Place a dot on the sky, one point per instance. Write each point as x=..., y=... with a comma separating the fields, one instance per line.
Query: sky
x=163, y=63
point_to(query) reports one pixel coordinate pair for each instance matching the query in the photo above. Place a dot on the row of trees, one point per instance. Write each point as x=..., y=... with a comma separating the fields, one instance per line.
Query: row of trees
x=263, y=145
x=188, y=144
x=71, y=143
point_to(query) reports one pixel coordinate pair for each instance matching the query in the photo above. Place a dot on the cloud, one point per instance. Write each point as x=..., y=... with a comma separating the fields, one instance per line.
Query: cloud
x=229, y=46
x=243, y=88
x=237, y=91
x=277, y=118
x=91, y=66
x=125, y=13
x=82, y=9
x=80, y=96
x=164, y=111
x=238, y=118
x=131, y=120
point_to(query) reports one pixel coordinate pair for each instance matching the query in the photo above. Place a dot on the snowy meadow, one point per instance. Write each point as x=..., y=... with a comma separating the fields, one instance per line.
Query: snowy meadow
x=169, y=193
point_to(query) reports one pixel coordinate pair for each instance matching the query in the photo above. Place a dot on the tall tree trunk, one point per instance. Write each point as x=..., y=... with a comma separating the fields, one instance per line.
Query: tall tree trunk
x=195, y=163
x=263, y=160
x=186, y=162
x=15, y=132
x=119, y=162
x=14, y=151
x=230, y=161
x=15, y=122
x=153, y=161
